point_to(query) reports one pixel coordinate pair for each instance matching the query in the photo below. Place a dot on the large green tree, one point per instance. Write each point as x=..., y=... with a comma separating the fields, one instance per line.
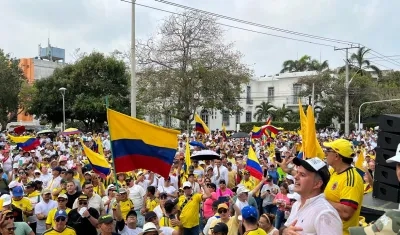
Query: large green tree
x=188, y=66
x=88, y=81
x=360, y=65
x=11, y=80
x=280, y=114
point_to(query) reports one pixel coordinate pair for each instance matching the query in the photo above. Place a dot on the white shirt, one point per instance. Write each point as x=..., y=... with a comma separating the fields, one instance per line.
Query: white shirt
x=130, y=231
x=316, y=216
x=168, y=190
x=223, y=174
x=136, y=193
x=43, y=208
x=167, y=230
x=158, y=211
x=269, y=198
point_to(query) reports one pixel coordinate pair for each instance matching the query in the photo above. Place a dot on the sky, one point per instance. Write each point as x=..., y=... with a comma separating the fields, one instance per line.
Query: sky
x=105, y=25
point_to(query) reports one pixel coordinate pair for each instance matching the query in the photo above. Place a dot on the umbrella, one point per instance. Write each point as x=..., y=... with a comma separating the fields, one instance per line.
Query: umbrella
x=240, y=135
x=197, y=144
x=205, y=155
x=71, y=131
x=45, y=132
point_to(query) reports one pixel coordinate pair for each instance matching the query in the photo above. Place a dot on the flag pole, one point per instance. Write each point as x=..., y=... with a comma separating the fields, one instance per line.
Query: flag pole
x=112, y=152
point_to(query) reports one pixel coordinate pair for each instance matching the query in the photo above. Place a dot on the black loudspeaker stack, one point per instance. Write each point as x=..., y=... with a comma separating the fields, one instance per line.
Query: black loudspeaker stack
x=386, y=185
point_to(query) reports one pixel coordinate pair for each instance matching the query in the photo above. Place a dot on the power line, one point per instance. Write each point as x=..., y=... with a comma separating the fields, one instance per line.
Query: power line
x=256, y=24
x=235, y=27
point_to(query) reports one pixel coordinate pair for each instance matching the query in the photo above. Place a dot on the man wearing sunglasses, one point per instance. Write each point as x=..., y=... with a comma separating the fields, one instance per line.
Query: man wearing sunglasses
x=60, y=225
x=62, y=200
x=83, y=218
x=231, y=222
x=18, y=227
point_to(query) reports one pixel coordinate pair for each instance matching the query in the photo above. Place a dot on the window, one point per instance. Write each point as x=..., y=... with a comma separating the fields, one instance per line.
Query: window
x=296, y=92
x=271, y=93
x=204, y=116
x=237, y=118
x=225, y=117
x=248, y=116
x=248, y=95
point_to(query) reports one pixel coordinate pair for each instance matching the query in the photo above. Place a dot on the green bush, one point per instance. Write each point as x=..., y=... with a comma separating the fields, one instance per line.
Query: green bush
x=287, y=126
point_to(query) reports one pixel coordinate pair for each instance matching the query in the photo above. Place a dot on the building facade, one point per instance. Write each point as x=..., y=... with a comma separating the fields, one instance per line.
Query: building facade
x=280, y=89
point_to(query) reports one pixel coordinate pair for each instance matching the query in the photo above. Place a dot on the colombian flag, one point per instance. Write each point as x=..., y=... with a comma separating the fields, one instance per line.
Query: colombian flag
x=137, y=144
x=200, y=125
x=256, y=133
x=100, y=146
x=359, y=163
x=19, y=139
x=253, y=165
x=98, y=162
x=26, y=143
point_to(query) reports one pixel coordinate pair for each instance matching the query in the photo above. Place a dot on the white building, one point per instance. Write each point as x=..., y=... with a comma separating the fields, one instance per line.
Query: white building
x=278, y=89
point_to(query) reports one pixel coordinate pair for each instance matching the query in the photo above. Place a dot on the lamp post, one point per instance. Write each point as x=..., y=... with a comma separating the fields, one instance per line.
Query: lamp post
x=371, y=102
x=62, y=90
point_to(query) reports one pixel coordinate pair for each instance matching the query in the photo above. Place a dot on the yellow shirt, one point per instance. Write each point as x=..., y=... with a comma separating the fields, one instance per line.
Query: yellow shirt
x=125, y=207
x=166, y=222
x=50, y=216
x=346, y=188
x=67, y=231
x=97, y=189
x=257, y=231
x=24, y=204
x=190, y=212
x=231, y=179
x=249, y=184
x=151, y=204
x=233, y=225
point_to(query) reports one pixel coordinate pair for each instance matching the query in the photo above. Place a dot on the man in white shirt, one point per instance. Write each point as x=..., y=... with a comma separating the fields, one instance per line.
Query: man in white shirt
x=136, y=194
x=312, y=214
x=220, y=172
x=42, y=210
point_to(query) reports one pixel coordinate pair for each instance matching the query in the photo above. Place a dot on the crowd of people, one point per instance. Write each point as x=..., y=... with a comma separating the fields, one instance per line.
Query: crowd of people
x=54, y=190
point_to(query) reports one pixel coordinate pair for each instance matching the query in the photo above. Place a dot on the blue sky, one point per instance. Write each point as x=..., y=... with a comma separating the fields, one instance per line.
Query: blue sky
x=104, y=25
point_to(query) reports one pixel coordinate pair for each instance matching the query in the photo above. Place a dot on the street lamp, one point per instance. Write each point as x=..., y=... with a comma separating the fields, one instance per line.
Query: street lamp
x=62, y=90
x=371, y=102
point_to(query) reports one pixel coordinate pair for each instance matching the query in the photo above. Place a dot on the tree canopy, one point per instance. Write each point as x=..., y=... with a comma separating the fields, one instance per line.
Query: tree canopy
x=11, y=80
x=88, y=81
x=189, y=66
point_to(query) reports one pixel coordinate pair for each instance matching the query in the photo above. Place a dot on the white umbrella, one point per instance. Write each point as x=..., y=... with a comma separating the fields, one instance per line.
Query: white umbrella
x=205, y=155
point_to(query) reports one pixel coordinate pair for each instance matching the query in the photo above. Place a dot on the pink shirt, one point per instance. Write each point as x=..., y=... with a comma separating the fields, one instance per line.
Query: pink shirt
x=284, y=198
x=207, y=207
x=226, y=192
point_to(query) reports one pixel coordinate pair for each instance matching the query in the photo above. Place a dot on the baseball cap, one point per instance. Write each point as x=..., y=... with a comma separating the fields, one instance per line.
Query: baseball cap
x=220, y=228
x=187, y=184
x=60, y=213
x=18, y=191
x=6, y=199
x=149, y=227
x=57, y=168
x=222, y=205
x=170, y=204
x=395, y=158
x=242, y=189
x=83, y=197
x=150, y=215
x=122, y=190
x=314, y=165
x=63, y=195
x=342, y=147
x=46, y=191
x=249, y=212
x=105, y=219
x=388, y=223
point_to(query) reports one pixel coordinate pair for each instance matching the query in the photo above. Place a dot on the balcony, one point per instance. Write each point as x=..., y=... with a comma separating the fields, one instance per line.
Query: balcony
x=293, y=100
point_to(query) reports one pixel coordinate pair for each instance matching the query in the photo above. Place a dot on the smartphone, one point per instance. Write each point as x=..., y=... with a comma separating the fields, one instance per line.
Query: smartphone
x=278, y=156
x=265, y=173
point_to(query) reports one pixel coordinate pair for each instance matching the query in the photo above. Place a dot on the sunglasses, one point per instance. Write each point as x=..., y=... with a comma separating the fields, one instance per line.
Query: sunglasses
x=222, y=211
x=187, y=188
x=61, y=219
x=83, y=203
x=9, y=217
x=11, y=229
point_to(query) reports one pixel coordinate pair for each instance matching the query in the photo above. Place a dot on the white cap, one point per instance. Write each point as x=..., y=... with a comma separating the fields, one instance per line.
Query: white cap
x=187, y=184
x=311, y=164
x=289, y=177
x=13, y=184
x=202, y=163
x=140, y=173
x=110, y=186
x=37, y=171
x=395, y=158
x=149, y=227
x=6, y=199
x=15, y=165
x=242, y=189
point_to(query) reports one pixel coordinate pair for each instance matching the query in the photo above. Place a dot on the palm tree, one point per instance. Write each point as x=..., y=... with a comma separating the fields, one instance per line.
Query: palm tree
x=263, y=110
x=315, y=65
x=359, y=64
x=280, y=114
x=296, y=65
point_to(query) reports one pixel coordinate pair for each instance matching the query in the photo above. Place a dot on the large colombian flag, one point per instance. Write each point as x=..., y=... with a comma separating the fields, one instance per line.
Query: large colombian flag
x=256, y=132
x=98, y=162
x=200, y=125
x=26, y=143
x=137, y=144
x=253, y=165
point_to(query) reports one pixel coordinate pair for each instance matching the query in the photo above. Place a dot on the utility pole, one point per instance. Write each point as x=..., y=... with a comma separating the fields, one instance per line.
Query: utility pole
x=346, y=87
x=133, y=64
x=313, y=95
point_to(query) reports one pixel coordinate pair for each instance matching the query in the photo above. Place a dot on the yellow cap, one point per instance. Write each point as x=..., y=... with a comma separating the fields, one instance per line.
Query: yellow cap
x=222, y=205
x=342, y=147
